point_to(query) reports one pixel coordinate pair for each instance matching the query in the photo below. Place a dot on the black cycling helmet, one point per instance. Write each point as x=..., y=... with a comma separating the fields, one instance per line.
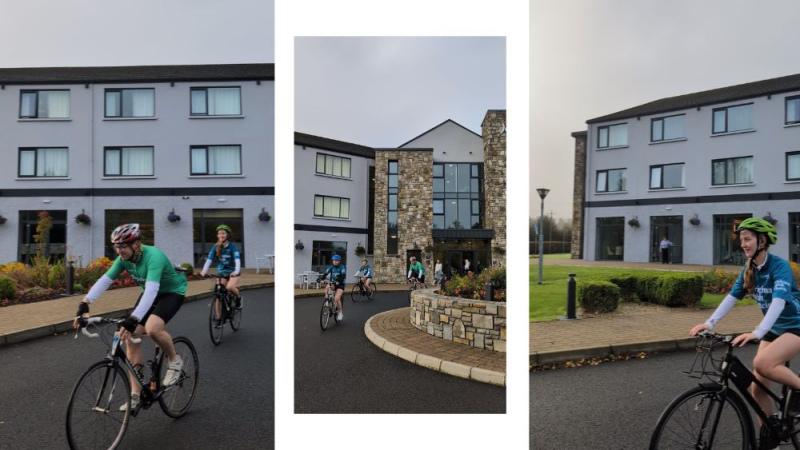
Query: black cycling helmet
x=759, y=226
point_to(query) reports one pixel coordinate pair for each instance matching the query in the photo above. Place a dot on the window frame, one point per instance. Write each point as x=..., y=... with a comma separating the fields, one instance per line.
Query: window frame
x=206, y=89
x=608, y=135
x=662, y=120
x=22, y=93
x=726, y=171
x=323, y=216
x=788, y=154
x=726, y=108
x=106, y=91
x=36, y=162
x=661, y=166
x=121, y=149
x=192, y=148
x=325, y=164
x=786, y=110
x=606, y=171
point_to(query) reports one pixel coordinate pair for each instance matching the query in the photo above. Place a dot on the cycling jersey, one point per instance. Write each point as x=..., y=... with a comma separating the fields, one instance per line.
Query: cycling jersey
x=229, y=260
x=366, y=271
x=338, y=274
x=416, y=267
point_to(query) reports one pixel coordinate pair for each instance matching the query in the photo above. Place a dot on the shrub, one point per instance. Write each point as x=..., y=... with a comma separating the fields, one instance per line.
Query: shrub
x=626, y=285
x=497, y=274
x=598, y=296
x=57, y=278
x=19, y=272
x=718, y=281
x=8, y=289
x=189, y=269
x=673, y=289
x=91, y=273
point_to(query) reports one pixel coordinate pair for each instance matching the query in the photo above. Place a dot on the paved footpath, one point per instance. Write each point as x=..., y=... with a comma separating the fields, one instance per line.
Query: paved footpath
x=392, y=332
x=20, y=323
x=645, y=329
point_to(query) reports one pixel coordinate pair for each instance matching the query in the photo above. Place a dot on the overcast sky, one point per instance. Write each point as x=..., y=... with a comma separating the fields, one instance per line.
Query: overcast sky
x=384, y=91
x=590, y=58
x=45, y=33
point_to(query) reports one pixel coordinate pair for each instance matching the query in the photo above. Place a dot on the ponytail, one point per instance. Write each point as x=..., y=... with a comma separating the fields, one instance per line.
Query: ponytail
x=749, y=276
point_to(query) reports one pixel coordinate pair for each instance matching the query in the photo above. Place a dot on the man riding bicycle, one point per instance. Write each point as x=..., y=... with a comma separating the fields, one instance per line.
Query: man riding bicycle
x=163, y=291
x=416, y=270
x=338, y=274
x=366, y=274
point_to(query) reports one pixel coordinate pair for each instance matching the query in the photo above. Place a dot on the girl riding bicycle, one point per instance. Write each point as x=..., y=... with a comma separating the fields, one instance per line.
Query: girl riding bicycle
x=229, y=261
x=768, y=278
x=337, y=273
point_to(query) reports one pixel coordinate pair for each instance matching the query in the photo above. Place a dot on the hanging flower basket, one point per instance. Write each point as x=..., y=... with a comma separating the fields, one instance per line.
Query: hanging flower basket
x=299, y=245
x=694, y=220
x=634, y=222
x=2, y=220
x=172, y=217
x=83, y=218
x=264, y=216
x=360, y=250
x=770, y=219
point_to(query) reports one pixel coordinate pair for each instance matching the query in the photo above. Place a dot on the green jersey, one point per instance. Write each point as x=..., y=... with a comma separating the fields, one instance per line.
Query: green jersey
x=416, y=267
x=153, y=266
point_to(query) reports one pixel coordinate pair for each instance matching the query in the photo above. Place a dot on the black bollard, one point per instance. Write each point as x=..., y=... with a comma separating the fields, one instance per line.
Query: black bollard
x=489, y=297
x=571, y=297
x=70, y=278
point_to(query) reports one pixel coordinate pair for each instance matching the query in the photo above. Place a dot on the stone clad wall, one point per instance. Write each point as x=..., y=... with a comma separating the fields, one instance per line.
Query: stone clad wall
x=578, y=194
x=476, y=323
x=414, y=209
x=494, y=182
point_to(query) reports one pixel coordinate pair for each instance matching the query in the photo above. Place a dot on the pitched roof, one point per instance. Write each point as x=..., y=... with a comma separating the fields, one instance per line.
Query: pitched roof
x=333, y=145
x=437, y=126
x=714, y=96
x=137, y=74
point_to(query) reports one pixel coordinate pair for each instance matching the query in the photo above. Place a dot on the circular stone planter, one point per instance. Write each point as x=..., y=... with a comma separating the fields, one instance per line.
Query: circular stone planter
x=476, y=323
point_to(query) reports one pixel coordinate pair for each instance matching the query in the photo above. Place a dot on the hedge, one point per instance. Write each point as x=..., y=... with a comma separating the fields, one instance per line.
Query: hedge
x=598, y=296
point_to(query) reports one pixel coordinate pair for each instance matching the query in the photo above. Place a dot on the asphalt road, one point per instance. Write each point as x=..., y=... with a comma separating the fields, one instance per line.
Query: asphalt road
x=233, y=407
x=609, y=406
x=341, y=371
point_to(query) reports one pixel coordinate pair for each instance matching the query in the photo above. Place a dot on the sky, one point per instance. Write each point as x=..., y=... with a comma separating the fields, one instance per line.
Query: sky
x=384, y=91
x=590, y=58
x=45, y=33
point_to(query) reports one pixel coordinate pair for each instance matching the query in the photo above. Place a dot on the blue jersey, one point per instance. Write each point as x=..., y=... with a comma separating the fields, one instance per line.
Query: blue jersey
x=338, y=274
x=366, y=271
x=774, y=280
x=227, y=258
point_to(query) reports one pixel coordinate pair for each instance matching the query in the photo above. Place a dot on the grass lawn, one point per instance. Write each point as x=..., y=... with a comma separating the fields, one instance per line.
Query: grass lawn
x=548, y=301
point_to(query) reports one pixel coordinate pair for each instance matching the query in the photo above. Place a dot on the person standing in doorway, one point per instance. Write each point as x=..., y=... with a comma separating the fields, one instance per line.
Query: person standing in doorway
x=466, y=267
x=665, y=245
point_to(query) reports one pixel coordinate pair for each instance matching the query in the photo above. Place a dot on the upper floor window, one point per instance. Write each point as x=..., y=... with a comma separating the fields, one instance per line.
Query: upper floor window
x=733, y=118
x=130, y=102
x=128, y=161
x=667, y=176
x=51, y=104
x=457, y=200
x=333, y=165
x=667, y=128
x=793, y=166
x=793, y=110
x=333, y=207
x=43, y=162
x=216, y=160
x=612, y=135
x=612, y=180
x=732, y=171
x=225, y=101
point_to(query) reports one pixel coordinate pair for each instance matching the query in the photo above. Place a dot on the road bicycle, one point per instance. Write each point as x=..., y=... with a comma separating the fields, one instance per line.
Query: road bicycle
x=222, y=309
x=329, y=309
x=712, y=415
x=100, y=404
x=360, y=291
x=413, y=282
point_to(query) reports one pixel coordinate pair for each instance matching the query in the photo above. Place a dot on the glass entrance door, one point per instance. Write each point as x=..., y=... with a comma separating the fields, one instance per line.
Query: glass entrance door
x=670, y=227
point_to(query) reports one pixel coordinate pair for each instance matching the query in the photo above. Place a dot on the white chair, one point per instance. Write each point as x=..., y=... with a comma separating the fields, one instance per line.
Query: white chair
x=311, y=278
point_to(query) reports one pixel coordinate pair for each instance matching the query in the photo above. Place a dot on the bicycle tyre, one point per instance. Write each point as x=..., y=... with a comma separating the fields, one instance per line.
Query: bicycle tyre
x=175, y=400
x=374, y=287
x=88, y=428
x=355, y=292
x=235, y=316
x=325, y=314
x=682, y=420
x=214, y=321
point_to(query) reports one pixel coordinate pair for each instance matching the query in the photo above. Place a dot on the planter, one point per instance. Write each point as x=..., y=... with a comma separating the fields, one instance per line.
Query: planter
x=770, y=219
x=264, y=216
x=172, y=217
x=299, y=245
x=83, y=218
x=2, y=220
x=694, y=220
x=634, y=223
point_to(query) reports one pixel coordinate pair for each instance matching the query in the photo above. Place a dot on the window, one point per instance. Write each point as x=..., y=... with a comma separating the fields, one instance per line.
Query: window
x=333, y=165
x=332, y=207
x=612, y=135
x=44, y=104
x=322, y=254
x=793, y=166
x=457, y=200
x=217, y=160
x=667, y=128
x=732, y=171
x=204, y=232
x=117, y=217
x=128, y=161
x=43, y=162
x=216, y=101
x=392, y=233
x=667, y=176
x=55, y=240
x=733, y=118
x=130, y=102
x=793, y=110
x=611, y=180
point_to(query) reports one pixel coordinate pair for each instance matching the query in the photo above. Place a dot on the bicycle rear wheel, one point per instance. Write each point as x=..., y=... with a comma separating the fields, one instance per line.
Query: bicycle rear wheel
x=690, y=421
x=326, y=314
x=94, y=419
x=216, y=321
x=175, y=400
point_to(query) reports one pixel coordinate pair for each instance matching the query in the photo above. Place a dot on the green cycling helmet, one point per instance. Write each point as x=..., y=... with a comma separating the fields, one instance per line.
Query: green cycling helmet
x=225, y=227
x=759, y=226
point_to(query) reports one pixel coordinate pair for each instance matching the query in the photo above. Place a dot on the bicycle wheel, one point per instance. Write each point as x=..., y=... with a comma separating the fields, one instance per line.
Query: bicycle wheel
x=355, y=293
x=216, y=322
x=325, y=314
x=175, y=400
x=94, y=419
x=374, y=287
x=689, y=421
x=235, y=315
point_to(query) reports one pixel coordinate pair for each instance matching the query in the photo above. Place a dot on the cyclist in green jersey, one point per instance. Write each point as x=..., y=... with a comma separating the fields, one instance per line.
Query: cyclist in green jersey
x=163, y=291
x=416, y=270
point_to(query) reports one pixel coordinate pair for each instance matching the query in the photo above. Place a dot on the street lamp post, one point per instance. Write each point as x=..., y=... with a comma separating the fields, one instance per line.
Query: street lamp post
x=542, y=194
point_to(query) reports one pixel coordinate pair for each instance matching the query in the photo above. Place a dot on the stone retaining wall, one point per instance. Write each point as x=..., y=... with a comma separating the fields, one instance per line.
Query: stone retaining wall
x=476, y=323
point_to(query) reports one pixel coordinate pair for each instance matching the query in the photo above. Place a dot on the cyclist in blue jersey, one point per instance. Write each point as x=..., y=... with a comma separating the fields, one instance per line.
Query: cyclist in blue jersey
x=366, y=274
x=769, y=280
x=338, y=274
x=229, y=261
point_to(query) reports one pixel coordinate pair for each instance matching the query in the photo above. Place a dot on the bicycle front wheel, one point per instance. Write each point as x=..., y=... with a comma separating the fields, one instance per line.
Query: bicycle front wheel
x=374, y=287
x=355, y=293
x=326, y=314
x=176, y=399
x=216, y=321
x=235, y=316
x=94, y=418
x=702, y=417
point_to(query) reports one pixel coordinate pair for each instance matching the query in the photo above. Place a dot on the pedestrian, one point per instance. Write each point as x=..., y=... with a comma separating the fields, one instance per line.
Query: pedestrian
x=665, y=245
x=437, y=272
x=466, y=266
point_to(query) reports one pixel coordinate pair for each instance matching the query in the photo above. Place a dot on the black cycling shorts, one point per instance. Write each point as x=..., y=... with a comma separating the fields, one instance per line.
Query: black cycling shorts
x=421, y=278
x=164, y=306
x=769, y=337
